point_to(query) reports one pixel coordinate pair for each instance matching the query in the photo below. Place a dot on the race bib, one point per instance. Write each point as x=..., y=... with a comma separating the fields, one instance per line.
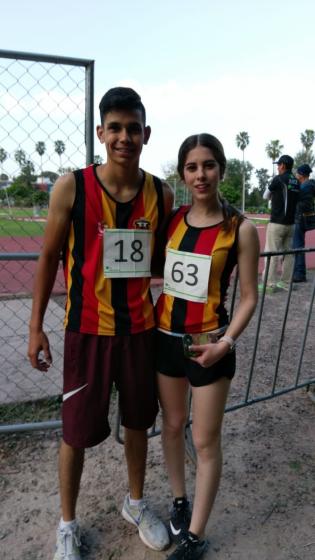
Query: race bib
x=186, y=275
x=127, y=253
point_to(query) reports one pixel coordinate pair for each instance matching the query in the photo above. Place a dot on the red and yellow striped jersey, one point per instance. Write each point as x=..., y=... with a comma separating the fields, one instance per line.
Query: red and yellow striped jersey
x=95, y=304
x=178, y=315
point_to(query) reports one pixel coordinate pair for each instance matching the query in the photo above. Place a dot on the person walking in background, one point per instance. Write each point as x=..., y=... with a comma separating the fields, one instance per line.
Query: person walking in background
x=105, y=218
x=195, y=340
x=305, y=206
x=284, y=192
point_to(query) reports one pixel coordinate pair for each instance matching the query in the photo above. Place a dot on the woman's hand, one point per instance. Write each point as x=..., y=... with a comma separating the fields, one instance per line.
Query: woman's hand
x=209, y=354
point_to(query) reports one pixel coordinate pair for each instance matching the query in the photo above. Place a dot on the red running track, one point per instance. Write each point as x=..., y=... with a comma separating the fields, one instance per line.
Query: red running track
x=16, y=277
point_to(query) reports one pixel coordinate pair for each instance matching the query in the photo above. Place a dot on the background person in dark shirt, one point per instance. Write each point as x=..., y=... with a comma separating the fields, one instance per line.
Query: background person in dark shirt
x=284, y=192
x=305, y=204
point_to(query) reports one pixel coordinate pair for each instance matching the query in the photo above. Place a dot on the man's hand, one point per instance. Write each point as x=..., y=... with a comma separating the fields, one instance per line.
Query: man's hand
x=38, y=342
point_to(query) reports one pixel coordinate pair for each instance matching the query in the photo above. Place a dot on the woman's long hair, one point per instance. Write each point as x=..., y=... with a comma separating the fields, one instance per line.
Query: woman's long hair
x=209, y=141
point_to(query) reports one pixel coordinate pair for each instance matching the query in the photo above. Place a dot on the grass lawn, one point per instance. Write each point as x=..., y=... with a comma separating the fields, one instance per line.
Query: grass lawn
x=16, y=224
x=32, y=411
x=12, y=228
x=18, y=212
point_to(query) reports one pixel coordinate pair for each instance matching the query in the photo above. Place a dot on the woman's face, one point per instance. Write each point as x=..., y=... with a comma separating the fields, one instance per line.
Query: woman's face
x=202, y=174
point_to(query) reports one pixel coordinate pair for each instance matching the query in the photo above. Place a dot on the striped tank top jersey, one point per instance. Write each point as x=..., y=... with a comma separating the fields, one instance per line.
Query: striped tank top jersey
x=95, y=304
x=178, y=315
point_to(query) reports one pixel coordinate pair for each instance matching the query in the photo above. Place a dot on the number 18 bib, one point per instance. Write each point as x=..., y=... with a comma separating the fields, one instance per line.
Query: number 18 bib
x=127, y=253
x=186, y=275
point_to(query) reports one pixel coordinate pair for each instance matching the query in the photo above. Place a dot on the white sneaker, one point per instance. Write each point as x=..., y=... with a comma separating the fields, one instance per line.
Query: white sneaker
x=151, y=530
x=68, y=543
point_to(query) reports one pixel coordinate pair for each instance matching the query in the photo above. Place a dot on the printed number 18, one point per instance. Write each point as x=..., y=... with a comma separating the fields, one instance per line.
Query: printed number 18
x=135, y=256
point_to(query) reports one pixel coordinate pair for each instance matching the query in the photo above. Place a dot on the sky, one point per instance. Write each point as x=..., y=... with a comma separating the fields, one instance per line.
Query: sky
x=200, y=66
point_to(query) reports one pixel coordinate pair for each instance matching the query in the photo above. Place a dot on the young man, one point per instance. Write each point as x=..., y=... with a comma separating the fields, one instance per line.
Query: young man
x=305, y=205
x=105, y=219
x=283, y=192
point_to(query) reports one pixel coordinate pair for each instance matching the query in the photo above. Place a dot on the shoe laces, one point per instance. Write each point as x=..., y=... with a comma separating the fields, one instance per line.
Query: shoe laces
x=187, y=545
x=147, y=514
x=68, y=537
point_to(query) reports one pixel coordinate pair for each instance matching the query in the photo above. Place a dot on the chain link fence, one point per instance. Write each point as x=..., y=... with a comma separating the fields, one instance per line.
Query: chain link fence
x=46, y=129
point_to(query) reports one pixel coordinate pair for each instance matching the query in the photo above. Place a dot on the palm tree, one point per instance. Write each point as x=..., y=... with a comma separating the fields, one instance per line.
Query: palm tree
x=20, y=157
x=273, y=151
x=3, y=157
x=307, y=139
x=59, y=149
x=242, y=141
x=41, y=149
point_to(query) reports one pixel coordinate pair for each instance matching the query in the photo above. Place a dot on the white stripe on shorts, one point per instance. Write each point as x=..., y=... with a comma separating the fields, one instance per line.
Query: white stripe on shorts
x=68, y=395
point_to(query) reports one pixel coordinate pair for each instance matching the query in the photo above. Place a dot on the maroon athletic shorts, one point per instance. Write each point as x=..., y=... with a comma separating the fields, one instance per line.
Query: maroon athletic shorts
x=92, y=363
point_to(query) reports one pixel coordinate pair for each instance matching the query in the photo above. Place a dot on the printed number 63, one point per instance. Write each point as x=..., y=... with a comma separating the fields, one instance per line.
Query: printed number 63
x=178, y=275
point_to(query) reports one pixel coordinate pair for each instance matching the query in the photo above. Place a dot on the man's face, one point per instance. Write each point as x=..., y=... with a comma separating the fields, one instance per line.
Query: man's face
x=281, y=168
x=301, y=178
x=123, y=133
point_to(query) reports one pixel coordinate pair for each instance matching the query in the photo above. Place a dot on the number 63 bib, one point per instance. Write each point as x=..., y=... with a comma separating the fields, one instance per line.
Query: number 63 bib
x=127, y=253
x=186, y=275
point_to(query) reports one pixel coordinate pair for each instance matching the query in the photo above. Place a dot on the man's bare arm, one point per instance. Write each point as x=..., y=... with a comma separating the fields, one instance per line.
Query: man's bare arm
x=56, y=230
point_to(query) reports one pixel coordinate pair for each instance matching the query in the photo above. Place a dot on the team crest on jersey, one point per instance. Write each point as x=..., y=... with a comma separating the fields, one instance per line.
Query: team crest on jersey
x=142, y=223
x=101, y=226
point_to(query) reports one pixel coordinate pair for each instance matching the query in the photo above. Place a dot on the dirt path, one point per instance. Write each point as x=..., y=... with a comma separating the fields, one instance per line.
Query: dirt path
x=265, y=508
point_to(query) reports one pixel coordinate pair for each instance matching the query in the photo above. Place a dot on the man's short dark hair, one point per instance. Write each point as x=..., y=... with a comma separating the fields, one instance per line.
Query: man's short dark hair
x=121, y=98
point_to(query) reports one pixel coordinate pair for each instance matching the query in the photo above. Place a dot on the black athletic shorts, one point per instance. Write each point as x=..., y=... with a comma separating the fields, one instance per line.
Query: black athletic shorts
x=172, y=362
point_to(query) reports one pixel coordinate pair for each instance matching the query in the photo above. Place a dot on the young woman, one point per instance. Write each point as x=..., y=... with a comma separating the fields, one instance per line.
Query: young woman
x=195, y=339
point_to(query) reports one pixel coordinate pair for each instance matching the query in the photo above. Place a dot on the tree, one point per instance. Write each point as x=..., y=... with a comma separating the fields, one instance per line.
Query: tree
x=306, y=155
x=255, y=201
x=28, y=173
x=307, y=139
x=64, y=170
x=51, y=175
x=26, y=179
x=60, y=149
x=273, y=151
x=263, y=179
x=242, y=141
x=40, y=198
x=21, y=194
x=181, y=193
x=20, y=157
x=231, y=187
x=3, y=157
x=98, y=159
x=41, y=149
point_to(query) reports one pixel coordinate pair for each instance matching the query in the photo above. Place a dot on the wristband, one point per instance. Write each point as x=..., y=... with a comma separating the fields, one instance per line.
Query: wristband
x=229, y=340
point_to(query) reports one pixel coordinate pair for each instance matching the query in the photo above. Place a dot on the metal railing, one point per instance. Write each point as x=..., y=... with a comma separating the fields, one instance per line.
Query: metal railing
x=261, y=375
